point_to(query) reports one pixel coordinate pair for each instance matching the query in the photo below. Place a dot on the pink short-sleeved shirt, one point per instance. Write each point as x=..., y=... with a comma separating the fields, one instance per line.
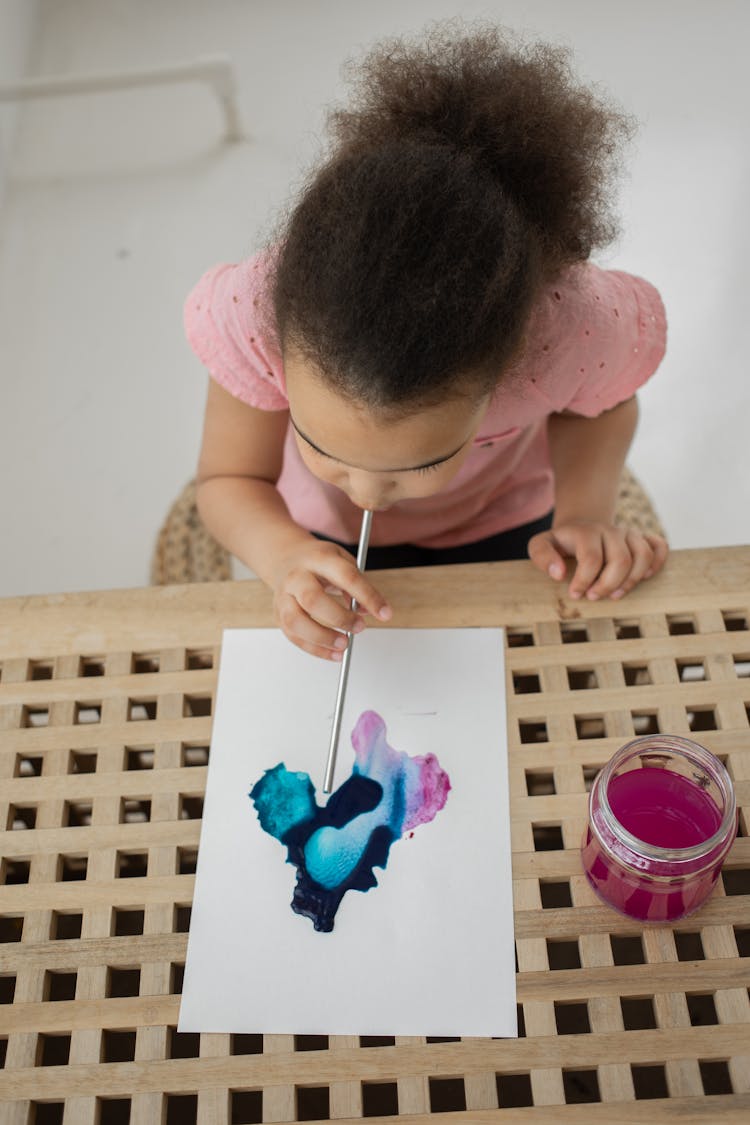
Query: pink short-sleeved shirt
x=593, y=339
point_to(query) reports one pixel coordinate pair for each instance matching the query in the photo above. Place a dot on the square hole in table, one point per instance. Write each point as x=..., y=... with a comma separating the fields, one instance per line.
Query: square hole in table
x=627, y=949
x=181, y=923
x=88, y=713
x=71, y=868
x=443, y=1039
x=118, y=1046
x=199, y=658
x=626, y=628
x=144, y=663
x=589, y=774
x=60, y=985
x=21, y=817
x=77, y=814
x=572, y=1018
x=92, y=666
x=377, y=1041
x=680, y=624
x=246, y=1044
x=645, y=722
x=14, y=871
x=246, y=1106
x=311, y=1042
x=81, y=761
x=742, y=939
x=691, y=671
x=194, y=754
x=187, y=860
x=7, y=988
x=3, y=1052
x=141, y=710
x=517, y=638
x=181, y=1109
x=113, y=1111
x=715, y=1076
x=176, y=977
x=735, y=620
x=636, y=675
x=555, y=894
x=41, y=669
x=526, y=683
x=573, y=633
x=447, y=1095
x=702, y=718
x=547, y=837
x=183, y=1044
x=563, y=954
x=532, y=730
x=590, y=726
x=35, y=717
x=736, y=880
x=135, y=810
x=127, y=921
x=139, y=757
x=689, y=946
x=649, y=1081
x=701, y=1008
x=580, y=1086
x=131, y=865
x=123, y=981
x=582, y=679
x=741, y=663
x=191, y=807
x=513, y=1090
x=65, y=925
x=539, y=783
x=196, y=706
x=11, y=927
x=27, y=766
x=637, y=1012
x=46, y=1113
x=312, y=1103
x=379, y=1099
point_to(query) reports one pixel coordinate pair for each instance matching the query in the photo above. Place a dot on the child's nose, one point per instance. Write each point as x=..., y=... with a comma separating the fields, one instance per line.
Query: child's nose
x=368, y=493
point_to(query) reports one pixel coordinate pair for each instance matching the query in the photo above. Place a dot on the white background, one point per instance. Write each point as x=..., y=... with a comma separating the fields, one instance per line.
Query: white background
x=429, y=951
x=117, y=202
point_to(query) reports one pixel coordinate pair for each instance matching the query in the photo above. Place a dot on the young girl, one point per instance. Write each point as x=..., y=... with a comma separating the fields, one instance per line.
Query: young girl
x=427, y=338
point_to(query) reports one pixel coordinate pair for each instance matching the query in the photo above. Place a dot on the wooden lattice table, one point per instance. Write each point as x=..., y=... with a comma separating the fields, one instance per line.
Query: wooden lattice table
x=105, y=720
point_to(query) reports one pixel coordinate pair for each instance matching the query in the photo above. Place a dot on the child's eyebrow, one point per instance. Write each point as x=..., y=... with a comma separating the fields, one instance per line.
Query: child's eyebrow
x=409, y=469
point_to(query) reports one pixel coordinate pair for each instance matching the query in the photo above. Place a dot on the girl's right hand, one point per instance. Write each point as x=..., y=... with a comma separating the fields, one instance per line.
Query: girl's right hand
x=307, y=589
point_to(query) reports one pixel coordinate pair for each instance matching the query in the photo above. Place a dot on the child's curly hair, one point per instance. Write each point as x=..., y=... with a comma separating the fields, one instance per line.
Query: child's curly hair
x=468, y=171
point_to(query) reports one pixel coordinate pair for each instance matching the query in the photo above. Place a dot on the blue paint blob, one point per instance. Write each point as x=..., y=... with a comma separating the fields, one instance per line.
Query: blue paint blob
x=335, y=848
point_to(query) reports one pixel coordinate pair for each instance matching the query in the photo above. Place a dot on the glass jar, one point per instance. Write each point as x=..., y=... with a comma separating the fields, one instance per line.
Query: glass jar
x=662, y=818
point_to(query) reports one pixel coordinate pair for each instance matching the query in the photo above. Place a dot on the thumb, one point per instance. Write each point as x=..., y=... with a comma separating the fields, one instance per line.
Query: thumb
x=545, y=556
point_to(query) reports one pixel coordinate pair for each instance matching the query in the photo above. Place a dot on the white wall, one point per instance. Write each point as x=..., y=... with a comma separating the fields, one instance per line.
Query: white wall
x=17, y=21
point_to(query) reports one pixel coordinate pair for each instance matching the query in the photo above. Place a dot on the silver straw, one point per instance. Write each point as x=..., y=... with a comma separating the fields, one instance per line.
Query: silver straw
x=364, y=539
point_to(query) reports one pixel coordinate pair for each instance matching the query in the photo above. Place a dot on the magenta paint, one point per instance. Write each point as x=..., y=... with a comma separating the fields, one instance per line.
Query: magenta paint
x=662, y=818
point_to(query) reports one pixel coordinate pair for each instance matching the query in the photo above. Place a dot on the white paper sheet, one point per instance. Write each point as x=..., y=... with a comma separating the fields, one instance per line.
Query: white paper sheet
x=429, y=951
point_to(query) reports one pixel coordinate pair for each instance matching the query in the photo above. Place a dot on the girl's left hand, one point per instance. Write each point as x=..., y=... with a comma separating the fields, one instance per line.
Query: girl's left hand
x=610, y=561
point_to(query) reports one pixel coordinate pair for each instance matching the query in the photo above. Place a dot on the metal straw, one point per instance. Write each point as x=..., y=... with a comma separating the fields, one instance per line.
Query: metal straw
x=364, y=539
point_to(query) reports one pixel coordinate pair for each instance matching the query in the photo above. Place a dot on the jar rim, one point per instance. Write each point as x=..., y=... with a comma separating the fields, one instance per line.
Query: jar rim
x=694, y=752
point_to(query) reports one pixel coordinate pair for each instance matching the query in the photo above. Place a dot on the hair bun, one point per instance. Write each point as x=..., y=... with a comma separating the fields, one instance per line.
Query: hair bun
x=514, y=108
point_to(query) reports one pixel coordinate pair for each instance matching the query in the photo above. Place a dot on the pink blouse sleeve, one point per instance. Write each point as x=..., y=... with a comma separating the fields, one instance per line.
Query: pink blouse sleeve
x=604, y=336
x=223, y=324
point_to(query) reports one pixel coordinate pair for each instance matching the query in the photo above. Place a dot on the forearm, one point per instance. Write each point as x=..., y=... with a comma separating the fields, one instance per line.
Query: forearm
x=249, y=517
x=587, y=456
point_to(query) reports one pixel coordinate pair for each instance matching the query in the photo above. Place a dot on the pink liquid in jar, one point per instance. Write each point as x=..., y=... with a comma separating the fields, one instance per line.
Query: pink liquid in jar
x=662, y=817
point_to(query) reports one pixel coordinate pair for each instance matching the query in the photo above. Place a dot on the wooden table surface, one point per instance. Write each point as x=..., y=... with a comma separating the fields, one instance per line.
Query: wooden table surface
x=105, y=722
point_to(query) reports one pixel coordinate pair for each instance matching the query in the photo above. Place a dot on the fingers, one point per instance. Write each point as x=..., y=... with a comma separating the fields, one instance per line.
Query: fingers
x=609, y=561
x=309, y=606
x=545, y=556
